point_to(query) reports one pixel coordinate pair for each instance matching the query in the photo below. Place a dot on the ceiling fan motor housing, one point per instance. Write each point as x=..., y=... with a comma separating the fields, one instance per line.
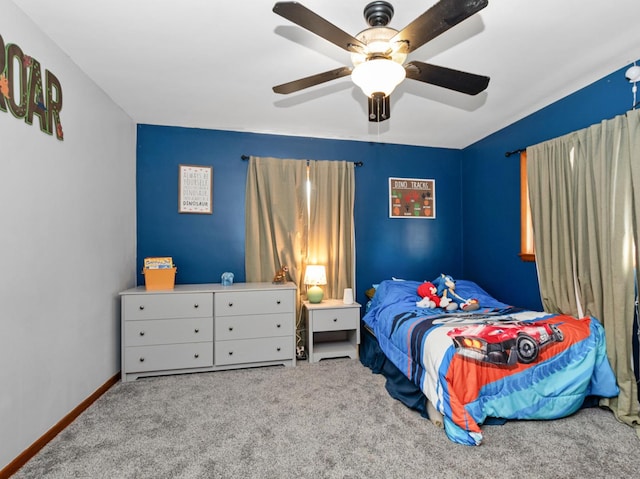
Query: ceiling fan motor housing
x=378, y=13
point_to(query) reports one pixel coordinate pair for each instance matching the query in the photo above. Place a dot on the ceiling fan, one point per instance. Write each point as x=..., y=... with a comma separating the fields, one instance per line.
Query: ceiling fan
x=378, y=53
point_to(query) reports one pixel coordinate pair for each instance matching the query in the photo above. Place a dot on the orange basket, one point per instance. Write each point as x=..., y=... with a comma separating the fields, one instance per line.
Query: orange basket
x=159, y=279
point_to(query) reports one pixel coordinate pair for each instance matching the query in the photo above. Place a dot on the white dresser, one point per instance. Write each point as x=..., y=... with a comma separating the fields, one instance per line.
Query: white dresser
x=207, y=327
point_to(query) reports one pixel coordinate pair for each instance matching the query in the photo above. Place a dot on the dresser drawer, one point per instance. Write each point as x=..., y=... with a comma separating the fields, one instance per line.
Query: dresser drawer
x=238, y=303
x=255, y=326
x=168, y=356
x=168, y=305
x=335, y=319
x=168, y=331
x=253, y=350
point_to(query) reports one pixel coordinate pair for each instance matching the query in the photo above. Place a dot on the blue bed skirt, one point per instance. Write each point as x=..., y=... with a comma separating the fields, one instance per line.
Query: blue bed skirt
x=398, y=385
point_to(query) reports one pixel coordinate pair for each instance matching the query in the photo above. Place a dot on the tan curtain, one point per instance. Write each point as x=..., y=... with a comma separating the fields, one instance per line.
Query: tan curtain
x=280, y=229
x=275, y=218
x=584, y=190
x=331, y=230
x=551, y=198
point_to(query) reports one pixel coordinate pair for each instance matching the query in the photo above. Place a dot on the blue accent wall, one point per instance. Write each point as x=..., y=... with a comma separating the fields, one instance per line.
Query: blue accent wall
x=476, y=233
x=491, y=187
x=204, y=246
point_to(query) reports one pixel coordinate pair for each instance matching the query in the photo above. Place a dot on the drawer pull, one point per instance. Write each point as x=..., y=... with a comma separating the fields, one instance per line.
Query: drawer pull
x=196, y=305
x=196, y=330
x=278, y=349
x=277, y=325
x=142, y=360
x=141, y=307
x=335, y=320
x=141, y=333
x=230, y=353
x=196, y=355
x=231, y=305
x=230, y=328
x=278, y=302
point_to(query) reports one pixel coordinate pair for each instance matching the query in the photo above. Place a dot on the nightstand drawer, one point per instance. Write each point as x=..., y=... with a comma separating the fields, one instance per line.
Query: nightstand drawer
x=168, y=331
x=239, y=303
x=167, y=305
x=253, y=350
x=254, y=326
x=168, y=356
x=335, y=319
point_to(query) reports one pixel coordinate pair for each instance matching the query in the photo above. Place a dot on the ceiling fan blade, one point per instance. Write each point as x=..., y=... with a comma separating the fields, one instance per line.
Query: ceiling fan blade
x=456, y=80
x=302, y=16
x=438, y=19
x=312, y=80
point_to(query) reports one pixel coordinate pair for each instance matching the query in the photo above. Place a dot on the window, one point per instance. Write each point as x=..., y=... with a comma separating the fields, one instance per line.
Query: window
x=527, y=248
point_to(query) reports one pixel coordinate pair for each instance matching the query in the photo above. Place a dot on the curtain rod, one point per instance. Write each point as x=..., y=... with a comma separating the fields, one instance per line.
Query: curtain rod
x=357, y=163
x=514, y=152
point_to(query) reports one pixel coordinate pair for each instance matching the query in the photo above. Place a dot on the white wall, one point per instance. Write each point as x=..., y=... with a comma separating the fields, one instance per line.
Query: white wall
x=67, y=246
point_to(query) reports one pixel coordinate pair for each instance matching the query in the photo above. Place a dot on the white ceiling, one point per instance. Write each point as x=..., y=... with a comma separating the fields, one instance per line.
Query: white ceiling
x=212, y=64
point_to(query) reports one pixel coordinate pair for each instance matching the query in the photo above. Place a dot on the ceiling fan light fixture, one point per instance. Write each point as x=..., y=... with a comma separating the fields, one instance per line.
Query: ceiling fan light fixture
x=379, y=75
x=377, y=44
x=633, y=74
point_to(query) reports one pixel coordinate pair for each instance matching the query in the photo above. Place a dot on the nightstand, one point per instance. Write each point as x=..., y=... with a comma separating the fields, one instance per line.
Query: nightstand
x=333, y=329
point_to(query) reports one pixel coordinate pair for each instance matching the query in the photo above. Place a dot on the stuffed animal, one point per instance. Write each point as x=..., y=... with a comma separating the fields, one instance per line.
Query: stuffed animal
x=429, y=294
x=446, y=287
x=281, y=275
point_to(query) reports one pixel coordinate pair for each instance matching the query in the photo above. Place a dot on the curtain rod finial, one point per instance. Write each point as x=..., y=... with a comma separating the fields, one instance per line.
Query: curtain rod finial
x=509, y=153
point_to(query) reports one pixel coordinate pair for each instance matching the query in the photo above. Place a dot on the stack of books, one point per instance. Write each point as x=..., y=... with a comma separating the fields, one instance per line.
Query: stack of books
x=164, y=262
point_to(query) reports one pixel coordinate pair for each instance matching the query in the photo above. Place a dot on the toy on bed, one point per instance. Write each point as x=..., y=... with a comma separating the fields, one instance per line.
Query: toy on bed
x=449, y=299
x=429, y=294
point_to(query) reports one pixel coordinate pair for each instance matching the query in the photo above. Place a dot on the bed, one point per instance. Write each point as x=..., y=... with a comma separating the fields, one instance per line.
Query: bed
x=472, y=367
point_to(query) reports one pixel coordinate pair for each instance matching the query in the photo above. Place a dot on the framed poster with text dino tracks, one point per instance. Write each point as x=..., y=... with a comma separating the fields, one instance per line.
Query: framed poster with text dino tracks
x=412, y=198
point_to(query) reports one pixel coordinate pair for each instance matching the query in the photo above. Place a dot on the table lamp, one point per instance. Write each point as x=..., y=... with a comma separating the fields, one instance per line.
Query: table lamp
x=314, y=276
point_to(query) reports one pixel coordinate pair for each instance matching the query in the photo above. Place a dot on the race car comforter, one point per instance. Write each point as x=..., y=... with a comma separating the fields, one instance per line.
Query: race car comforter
x=497, y=361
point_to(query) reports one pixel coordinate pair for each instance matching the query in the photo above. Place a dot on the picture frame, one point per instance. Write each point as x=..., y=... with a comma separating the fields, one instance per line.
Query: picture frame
x=412, y=198
x=195, y=189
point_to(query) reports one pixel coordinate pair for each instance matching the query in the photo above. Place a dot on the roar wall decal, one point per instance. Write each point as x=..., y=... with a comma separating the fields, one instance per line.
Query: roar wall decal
x=23, y=93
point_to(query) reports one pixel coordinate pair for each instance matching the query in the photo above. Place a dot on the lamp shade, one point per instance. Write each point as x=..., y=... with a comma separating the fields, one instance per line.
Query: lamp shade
x=378, y=76
x=315, y=275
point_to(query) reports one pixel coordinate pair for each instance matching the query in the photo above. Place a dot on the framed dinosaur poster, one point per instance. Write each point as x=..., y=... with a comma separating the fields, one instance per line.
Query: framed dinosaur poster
x=195, y=189
x=412, y=198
